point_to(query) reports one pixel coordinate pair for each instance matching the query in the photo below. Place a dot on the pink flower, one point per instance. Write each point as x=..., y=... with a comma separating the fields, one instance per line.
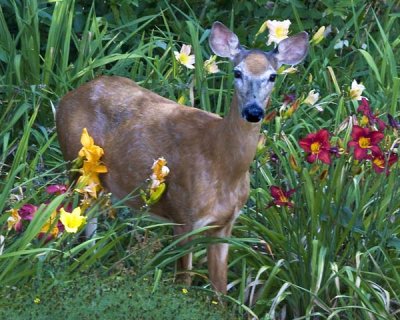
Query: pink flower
x=27, y=211
x=56, y=188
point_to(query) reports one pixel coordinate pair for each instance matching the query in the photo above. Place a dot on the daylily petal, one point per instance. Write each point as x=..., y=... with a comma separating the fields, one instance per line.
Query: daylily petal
x=360, y=153
x=311, y=157
x=376, y=137
x=324, y=156
x=72, y=221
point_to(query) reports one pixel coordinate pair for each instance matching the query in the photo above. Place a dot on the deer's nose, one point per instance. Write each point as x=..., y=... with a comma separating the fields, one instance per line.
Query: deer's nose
x=253, y=113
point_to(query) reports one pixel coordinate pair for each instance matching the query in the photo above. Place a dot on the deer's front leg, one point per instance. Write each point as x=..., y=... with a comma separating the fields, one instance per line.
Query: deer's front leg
x=184, y=264
x=217, y=259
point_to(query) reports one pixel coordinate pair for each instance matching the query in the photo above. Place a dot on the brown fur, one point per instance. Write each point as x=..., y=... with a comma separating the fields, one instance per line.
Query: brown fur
x=256, y=63
x=208, y=156
x=208, y=180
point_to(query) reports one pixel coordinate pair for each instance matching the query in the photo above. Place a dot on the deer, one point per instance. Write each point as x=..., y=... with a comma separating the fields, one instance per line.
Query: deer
x=209, y=156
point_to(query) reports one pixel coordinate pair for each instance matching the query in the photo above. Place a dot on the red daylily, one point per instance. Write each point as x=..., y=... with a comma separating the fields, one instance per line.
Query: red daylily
x=317, y=144
x=379, y=161
x=27, y=211
x=281, y=197
x=363, y=140
x=366, y=110
x=57, y=189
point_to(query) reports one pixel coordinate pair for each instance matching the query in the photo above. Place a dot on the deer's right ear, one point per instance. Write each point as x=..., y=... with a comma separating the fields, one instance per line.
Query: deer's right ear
x=223, y=42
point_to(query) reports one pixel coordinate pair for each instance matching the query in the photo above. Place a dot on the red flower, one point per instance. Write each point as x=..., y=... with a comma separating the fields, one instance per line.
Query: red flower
x=281, y=198
x=380, y=162
x=27, y=211
x=56, y=188
x=372, y=118
x=363, y=140
x=317, y=144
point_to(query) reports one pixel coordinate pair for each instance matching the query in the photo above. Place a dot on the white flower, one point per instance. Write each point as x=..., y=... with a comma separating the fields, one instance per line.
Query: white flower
x=210, y=65
x=356, y=90
x=312, y=98
x=341, y=44
x=278, y=30
x=184, y=57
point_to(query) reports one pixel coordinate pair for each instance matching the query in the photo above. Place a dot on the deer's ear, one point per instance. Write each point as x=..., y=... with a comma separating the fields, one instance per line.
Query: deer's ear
x=292, y=50
x=223, y=42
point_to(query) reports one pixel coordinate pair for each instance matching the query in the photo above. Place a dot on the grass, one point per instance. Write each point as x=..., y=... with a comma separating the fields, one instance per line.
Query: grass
x=333, y=255
x=116, y=297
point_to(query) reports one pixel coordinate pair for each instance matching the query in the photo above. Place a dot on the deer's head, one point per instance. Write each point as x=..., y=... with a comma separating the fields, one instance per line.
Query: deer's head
x=255, y=70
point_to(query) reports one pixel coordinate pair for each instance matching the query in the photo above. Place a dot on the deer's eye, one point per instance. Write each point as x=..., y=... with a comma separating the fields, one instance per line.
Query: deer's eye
x=237, y=74
x=272, y=77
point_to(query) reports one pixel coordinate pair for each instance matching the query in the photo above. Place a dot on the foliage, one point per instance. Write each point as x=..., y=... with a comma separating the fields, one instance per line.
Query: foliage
x=324, y=244
x=118, y=297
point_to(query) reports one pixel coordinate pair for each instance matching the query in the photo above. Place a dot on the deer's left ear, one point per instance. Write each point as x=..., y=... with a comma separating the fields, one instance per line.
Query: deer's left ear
x=292, y=50
x=223, y=42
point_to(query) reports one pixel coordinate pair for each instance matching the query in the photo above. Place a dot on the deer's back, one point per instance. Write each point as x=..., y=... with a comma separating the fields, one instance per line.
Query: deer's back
x=135, y=126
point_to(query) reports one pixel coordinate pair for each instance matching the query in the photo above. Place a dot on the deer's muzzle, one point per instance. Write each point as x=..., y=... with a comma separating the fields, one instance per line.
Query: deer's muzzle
x=253, y=113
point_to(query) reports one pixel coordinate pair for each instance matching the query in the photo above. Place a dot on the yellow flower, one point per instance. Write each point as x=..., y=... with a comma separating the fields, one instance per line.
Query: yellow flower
x=36, y=300
x=356, y=90
x=90, y=151
x=210, y=65
x=182, y=100
x=278, y=30
x=184, y=57
x=157, y=185
x=72, y=221
x=86, y=185
x=184, y=291
x=160, y=170
x=319, y=35
x=50, y=226
x=93, y=167
x=364, y=120
x=262, y=28
x=287, y=70
x=312, y=98
x=14, y=220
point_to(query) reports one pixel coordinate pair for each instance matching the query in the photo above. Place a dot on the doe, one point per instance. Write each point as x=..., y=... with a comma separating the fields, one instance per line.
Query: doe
x=208, y=156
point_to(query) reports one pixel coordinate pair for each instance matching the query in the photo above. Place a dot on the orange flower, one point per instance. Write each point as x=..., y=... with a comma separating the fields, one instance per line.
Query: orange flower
x=160, y=170
x=14, y=221
x=50, y=227
x=90, y=151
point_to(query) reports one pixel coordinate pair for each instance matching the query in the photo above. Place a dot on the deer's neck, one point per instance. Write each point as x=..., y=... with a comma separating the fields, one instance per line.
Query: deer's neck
x=237, y=141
